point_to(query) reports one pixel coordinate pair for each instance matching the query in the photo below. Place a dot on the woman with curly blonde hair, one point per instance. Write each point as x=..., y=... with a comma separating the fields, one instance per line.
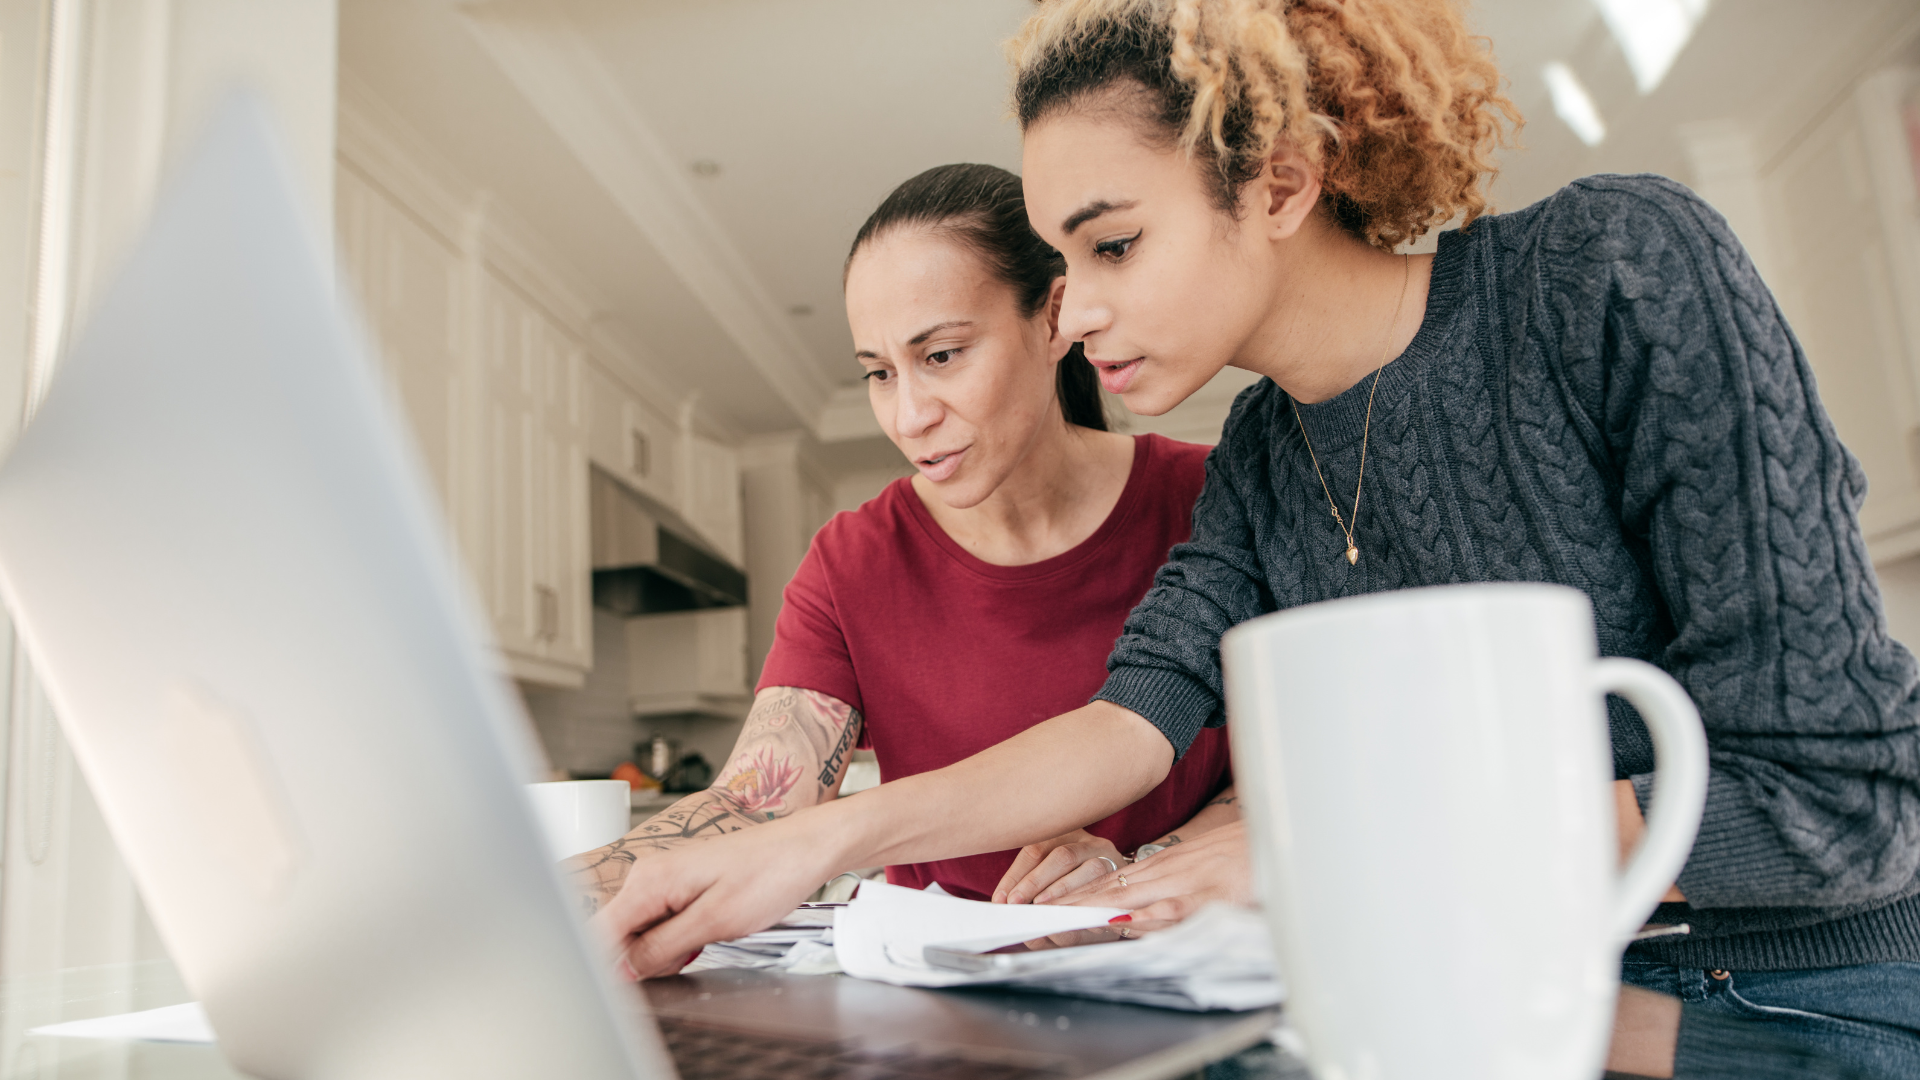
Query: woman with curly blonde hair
x=1596, y=390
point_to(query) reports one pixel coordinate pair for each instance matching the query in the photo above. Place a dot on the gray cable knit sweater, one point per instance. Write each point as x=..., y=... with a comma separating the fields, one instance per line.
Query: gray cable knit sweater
x=1603, y=394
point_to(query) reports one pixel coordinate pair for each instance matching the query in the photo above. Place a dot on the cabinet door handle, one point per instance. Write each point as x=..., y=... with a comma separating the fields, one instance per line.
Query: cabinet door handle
x=642, y=454
x=547, y=602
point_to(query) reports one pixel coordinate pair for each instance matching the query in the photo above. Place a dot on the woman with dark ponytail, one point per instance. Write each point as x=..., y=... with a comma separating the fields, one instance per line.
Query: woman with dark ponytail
x=981, y=207
x=982, y=595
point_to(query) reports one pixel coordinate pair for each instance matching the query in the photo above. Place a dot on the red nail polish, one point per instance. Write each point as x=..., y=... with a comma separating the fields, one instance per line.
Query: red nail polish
x=1121, y=918
x=695, y=955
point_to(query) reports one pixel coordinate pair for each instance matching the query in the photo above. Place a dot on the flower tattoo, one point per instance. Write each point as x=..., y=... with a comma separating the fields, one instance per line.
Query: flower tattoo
x=762, y=782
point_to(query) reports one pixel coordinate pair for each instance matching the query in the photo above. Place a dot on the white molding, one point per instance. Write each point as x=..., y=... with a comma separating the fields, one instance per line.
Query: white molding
x=369, y=141
x=563, y=78
x=379, y=145
x=382, y=147
x=506, y=249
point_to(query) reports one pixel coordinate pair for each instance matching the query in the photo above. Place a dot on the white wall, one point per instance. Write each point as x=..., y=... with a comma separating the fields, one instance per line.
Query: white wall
x=589, y=730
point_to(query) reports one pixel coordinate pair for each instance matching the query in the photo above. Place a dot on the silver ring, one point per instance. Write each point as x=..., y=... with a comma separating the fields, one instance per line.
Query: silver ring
x=1111, y=868
x=1123, y=881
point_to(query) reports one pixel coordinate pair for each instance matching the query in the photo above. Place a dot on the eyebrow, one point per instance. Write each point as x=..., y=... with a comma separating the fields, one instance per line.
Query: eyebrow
x=917, y=339
x=1093, y=210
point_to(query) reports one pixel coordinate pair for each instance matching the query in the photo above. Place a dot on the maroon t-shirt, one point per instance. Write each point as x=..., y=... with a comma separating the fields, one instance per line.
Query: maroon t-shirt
x=946, y=655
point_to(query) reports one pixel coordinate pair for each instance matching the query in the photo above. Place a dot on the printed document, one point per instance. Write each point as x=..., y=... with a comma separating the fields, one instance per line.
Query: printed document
x=1220, y=958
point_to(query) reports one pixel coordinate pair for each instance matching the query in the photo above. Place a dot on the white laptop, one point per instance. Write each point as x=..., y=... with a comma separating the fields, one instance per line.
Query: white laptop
x=219, y=550
x=217, y=547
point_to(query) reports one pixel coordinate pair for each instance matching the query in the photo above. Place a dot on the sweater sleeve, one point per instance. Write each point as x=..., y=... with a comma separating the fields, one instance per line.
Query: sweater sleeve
x=1166, y=664
x=1732, y=480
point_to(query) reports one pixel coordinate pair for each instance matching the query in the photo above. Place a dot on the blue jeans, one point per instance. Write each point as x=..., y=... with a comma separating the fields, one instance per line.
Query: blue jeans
x=1262, y=1062
x=1865, y=1018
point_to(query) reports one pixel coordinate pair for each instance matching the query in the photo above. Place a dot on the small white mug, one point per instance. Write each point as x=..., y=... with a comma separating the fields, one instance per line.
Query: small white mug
x=580, y=815
x=1427, y=777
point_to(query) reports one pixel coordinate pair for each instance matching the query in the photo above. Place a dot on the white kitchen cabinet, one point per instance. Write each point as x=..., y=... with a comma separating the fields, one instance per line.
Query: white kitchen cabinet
x=491, y=385
x=562, y=558
x=632, y=441
x=536, y=579
x=407, y=281
x=713, y=497
x=695, y=477
x=508, y=408
x=689, y=663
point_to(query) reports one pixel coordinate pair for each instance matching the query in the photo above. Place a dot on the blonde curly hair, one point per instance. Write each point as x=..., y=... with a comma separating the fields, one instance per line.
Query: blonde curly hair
x=1392, y=100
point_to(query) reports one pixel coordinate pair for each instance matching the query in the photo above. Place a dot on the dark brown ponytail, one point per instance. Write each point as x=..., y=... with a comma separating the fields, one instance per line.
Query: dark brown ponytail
x=983, y=207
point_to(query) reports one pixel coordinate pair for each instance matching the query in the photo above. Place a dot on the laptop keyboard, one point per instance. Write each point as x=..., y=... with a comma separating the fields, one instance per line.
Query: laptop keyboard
x=703, y=1052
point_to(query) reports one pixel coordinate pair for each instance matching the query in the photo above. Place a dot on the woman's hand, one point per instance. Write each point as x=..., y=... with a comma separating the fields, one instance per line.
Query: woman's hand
x=1063, y=863
x=1098, y=935
x=679, y=901
x=1179, y=881
x=1632, y=826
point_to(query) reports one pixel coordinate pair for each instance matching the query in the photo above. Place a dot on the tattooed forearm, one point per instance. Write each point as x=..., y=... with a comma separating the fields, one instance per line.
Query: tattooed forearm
x=1223, y=809
x=601, y=872
x=830, y=769
x=758, y=784
x=786, y=728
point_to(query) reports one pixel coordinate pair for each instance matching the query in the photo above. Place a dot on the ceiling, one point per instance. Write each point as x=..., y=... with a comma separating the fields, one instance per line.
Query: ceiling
x=703, y=166
x=1767, y=67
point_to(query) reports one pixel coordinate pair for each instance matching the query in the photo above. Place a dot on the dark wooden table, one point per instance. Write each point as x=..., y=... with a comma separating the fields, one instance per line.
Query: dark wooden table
x=1718, y=1047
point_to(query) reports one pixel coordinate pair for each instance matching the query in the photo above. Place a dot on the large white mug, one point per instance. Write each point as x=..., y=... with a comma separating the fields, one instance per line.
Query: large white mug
x=1427, y=783
x=580, y=815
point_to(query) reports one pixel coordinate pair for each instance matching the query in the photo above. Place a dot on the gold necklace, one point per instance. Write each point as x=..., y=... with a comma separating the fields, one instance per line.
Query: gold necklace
x=1366, y=428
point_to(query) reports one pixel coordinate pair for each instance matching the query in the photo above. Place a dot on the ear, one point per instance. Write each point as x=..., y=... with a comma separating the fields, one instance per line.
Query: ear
x=1057, y=343
x=1283, y=197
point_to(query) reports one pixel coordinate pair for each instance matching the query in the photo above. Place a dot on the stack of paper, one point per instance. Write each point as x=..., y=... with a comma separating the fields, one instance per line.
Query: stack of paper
x=1221, y=958
x=801, y=943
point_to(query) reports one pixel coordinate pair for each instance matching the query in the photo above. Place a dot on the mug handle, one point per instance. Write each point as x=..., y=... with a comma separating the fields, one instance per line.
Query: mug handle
x=1679, y=786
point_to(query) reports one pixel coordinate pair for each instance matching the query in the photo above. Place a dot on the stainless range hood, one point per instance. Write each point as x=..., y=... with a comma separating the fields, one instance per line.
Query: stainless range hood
x=646, y=562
